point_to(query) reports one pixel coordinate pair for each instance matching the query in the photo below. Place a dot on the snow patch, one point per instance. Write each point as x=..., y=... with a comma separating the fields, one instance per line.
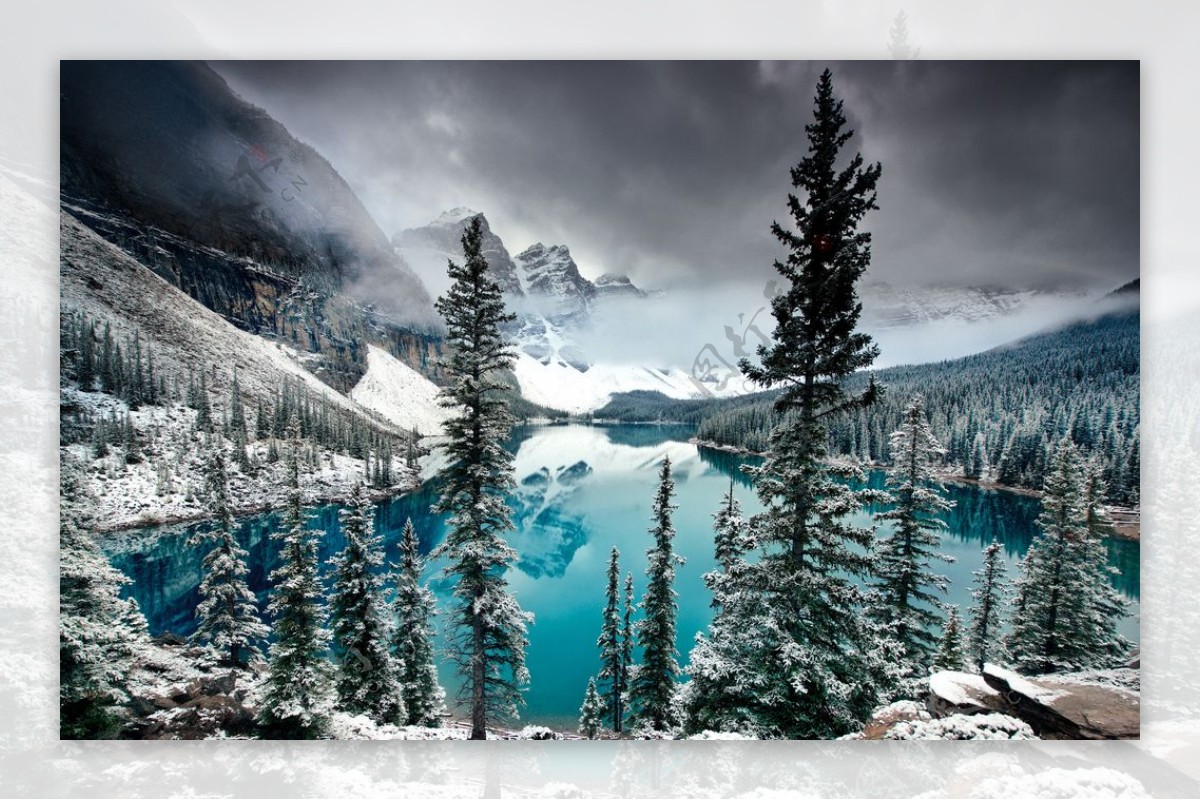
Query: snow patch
x=953, y=686
x=963, y=726
x=401, y=394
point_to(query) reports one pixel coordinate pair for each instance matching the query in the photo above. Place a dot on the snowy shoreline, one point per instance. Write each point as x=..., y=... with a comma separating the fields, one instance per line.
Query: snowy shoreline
x=1128, y=526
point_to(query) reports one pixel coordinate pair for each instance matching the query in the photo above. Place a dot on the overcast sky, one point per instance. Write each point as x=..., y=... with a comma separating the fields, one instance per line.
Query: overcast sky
x=1020, y=174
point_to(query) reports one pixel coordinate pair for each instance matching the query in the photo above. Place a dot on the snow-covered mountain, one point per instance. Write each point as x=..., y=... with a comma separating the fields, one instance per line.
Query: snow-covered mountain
x=887, y=305
x=551, y=279
x=612, y=285
x=555, y=303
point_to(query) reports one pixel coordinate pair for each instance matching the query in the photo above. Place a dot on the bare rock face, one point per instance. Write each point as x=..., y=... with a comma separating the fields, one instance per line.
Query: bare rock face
x=1102, y=704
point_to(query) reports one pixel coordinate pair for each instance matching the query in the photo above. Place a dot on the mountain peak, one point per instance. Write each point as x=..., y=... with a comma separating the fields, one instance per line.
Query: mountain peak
x=456, y=215
x=611, y=284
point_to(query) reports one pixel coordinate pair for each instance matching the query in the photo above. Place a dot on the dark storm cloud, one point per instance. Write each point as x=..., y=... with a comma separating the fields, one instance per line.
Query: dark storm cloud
x=1019, y=174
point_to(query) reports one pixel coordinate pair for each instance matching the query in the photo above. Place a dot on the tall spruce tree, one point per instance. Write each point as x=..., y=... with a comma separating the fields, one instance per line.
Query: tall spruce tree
x=96, y=640
x=820, y=664
x=488, y=636
x=652, y=686
x=368, y=678
x=1106, y=606
x=412, y=643
x=908, y=590
x=612, y=670
x=984, y=642
x=1064, y=617
x=297, y=697
x=627, y=638
x=229, y=621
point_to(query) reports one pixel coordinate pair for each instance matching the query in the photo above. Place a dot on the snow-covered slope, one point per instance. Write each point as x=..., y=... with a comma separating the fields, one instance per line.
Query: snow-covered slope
x=400, y=393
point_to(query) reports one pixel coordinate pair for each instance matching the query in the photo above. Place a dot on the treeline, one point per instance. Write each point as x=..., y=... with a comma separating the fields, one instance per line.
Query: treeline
x=93, y=360
x=999, y=412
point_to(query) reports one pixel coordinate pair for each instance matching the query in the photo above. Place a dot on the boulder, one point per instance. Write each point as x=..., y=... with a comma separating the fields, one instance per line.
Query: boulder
x=1099, y=705
x=962, y=693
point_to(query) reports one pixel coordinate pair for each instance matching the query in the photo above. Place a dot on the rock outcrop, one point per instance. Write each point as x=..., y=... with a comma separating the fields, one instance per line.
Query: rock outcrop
x=1090, y=705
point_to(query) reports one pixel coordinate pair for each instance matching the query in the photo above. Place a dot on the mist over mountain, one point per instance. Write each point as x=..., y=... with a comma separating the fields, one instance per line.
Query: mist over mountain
x=215, y=196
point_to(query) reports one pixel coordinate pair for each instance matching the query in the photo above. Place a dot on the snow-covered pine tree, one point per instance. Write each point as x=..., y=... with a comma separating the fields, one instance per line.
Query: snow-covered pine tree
x=96, y=642
x=731, y=538
x=297, y=697
x=1107, y=607
x=412, y=639
x=1063, y=619
x=653, y=686
x=721, y=690
x=368, y=679
x=821, y=665
x=906, y=588
x=488, y=635
x=984, y=642
x=229, y=622
x=592, y=712
x=627, y=638
x=977, y=464
x=950, y=653
x=612, y=670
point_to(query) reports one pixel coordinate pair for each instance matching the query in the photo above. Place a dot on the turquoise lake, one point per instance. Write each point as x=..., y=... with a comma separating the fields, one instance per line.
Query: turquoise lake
x=581, y=490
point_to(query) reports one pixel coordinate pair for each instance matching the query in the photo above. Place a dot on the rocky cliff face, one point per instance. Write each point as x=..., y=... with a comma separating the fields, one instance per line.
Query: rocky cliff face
x=215, y=196
x=552, y=277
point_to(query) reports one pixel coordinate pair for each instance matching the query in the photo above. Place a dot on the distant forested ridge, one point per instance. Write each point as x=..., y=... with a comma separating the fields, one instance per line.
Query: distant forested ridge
x=1082, y=380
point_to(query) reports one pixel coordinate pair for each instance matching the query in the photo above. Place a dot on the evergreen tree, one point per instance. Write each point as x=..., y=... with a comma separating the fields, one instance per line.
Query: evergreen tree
x=627, y=639
x=412, y=643
x=1065, y=617
x=731, y=538
x=907, y=589
x=1106, y=606
x=297, y=698
x=612, y=670
x=228, y=616
x=978, y=464
x=96, y=640
x=652, y=686
x=722, y=689
x=984, y=643
x=591, y=713
x=821, y=665
x=489, y=627
x=368, y=680
x=950, y=653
